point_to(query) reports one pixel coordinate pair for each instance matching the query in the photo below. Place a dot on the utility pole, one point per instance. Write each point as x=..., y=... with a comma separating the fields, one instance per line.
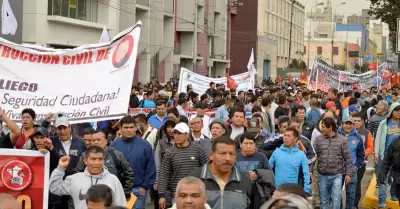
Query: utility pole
x=309, y=35
x=195, y=37
x=346, y=48
x=290, y=36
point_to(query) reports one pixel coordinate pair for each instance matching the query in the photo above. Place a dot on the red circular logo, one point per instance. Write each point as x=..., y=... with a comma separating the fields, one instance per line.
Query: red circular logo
x=16, y=175
x=123, y=52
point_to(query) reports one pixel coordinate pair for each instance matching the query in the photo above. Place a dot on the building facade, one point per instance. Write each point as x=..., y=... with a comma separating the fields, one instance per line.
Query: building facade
x=174, y=32
x=265, y=26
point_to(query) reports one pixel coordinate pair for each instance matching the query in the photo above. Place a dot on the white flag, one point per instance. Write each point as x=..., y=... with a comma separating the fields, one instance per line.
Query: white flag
x=9, y=22
x=105, y=37
x=251, y=68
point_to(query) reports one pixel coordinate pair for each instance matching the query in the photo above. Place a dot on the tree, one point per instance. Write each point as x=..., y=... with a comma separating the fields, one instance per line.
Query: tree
x=364, y=67
x=298, y=64
x=387, y=11
x=339, y=67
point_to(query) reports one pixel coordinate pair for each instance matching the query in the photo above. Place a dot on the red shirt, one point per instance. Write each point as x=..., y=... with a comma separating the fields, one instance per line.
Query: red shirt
x=21, y=141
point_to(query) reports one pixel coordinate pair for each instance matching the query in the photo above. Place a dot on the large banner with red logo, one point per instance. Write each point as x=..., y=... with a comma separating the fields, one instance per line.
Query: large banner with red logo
x=25, y=175
x=88, y=83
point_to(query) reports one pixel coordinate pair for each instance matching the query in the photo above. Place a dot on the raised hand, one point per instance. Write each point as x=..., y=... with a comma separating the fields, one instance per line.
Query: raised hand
x=63, y=162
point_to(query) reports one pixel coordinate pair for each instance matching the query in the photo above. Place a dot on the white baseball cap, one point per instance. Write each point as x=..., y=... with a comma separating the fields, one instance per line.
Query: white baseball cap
x=62, y=121
x=182, y=128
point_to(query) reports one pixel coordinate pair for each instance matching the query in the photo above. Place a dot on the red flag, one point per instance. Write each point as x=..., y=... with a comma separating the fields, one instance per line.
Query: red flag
x=278, y=79
x=373, y=66
x=395, y=78
x=231, y=83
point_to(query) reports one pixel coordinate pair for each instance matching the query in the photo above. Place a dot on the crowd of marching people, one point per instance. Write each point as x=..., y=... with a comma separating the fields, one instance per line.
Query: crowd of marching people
x=276, y=146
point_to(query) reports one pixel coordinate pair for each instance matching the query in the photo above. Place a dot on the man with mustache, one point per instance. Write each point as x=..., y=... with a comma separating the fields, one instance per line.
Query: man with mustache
x=223, y=180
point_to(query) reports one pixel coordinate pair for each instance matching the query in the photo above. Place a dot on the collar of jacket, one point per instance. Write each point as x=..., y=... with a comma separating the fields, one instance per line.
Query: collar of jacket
x=294, y=149
x=206, y=174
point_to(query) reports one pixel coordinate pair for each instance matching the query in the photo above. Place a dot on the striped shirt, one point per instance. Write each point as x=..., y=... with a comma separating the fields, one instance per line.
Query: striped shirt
x=177, y=164
x=373, y=124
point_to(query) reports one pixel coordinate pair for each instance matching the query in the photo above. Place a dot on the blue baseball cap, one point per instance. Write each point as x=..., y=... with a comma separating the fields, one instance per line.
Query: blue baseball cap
x=353, y=108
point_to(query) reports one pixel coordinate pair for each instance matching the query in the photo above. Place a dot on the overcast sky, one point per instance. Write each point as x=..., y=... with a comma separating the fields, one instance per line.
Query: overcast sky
x=351, y=7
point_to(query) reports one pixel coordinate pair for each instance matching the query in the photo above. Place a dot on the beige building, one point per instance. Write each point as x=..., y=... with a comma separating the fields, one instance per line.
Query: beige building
x=202, y=33
x=276, y=26
x=323, y=48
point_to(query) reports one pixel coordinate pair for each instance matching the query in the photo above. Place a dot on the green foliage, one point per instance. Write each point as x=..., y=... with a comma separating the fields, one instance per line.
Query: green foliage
x=364, y=67
x=387, y=11
x=339, y=67
x=298, y=64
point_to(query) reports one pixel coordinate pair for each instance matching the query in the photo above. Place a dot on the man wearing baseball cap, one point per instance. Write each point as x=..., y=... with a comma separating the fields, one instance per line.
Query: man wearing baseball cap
x=67, y=144
x=357, y=150
x=177, y=163
x=331, y=106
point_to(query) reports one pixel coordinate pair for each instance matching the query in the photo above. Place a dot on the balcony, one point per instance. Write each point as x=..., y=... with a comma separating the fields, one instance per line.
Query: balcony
x=143, y=2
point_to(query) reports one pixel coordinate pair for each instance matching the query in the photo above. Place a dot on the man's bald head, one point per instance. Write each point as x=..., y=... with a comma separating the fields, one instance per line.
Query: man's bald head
x=8, y=202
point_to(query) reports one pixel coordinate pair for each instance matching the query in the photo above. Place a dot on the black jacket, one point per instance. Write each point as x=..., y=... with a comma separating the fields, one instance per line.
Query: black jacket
x=238, y=192
x=307, y=129
x=391, y=160
x=264, y=187
x=77, y=148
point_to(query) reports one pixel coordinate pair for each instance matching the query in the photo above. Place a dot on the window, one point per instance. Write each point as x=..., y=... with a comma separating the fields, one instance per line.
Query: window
x=305, y=50
x=335, y=50
x=319, y=50
x=76, y=9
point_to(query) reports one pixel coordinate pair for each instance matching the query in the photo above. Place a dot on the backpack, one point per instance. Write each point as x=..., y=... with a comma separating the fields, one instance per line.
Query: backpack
x=370, y=112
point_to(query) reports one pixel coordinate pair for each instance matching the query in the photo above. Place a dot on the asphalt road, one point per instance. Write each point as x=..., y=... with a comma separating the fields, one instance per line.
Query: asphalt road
x=364, y=185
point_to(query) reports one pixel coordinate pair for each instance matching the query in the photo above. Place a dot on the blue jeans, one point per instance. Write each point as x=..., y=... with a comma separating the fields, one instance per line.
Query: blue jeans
x=330, y=187
x=141, y=199
x=383, y=190
x=351, y=191
x=377, y=169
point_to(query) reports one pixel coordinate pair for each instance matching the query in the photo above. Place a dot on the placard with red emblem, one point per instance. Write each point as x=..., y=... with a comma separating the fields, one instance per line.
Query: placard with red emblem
x=25, y=175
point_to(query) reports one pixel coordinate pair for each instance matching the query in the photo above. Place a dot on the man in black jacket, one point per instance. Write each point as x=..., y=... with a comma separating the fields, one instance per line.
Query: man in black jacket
x=392, y=160
x=221, y=176
x=306, y=127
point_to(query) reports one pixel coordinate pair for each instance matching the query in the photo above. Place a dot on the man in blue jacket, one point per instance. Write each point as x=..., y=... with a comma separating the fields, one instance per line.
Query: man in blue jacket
x=288, y=161
x=140, y=156
x=357, y=150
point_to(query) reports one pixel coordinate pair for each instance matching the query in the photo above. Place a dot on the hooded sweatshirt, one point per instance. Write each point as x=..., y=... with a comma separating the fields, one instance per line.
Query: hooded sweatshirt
x=78, y=184
x=381, y=141
x=287, y=164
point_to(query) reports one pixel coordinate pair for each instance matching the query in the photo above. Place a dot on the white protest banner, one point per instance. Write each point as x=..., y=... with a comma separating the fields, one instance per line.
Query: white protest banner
x=88, y=83
x=201, y=83
x=323, y=77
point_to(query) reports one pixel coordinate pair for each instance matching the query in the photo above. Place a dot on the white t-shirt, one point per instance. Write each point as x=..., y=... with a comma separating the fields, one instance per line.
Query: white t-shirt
x=66, y=145
x=151, y=137
x=236, y=132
